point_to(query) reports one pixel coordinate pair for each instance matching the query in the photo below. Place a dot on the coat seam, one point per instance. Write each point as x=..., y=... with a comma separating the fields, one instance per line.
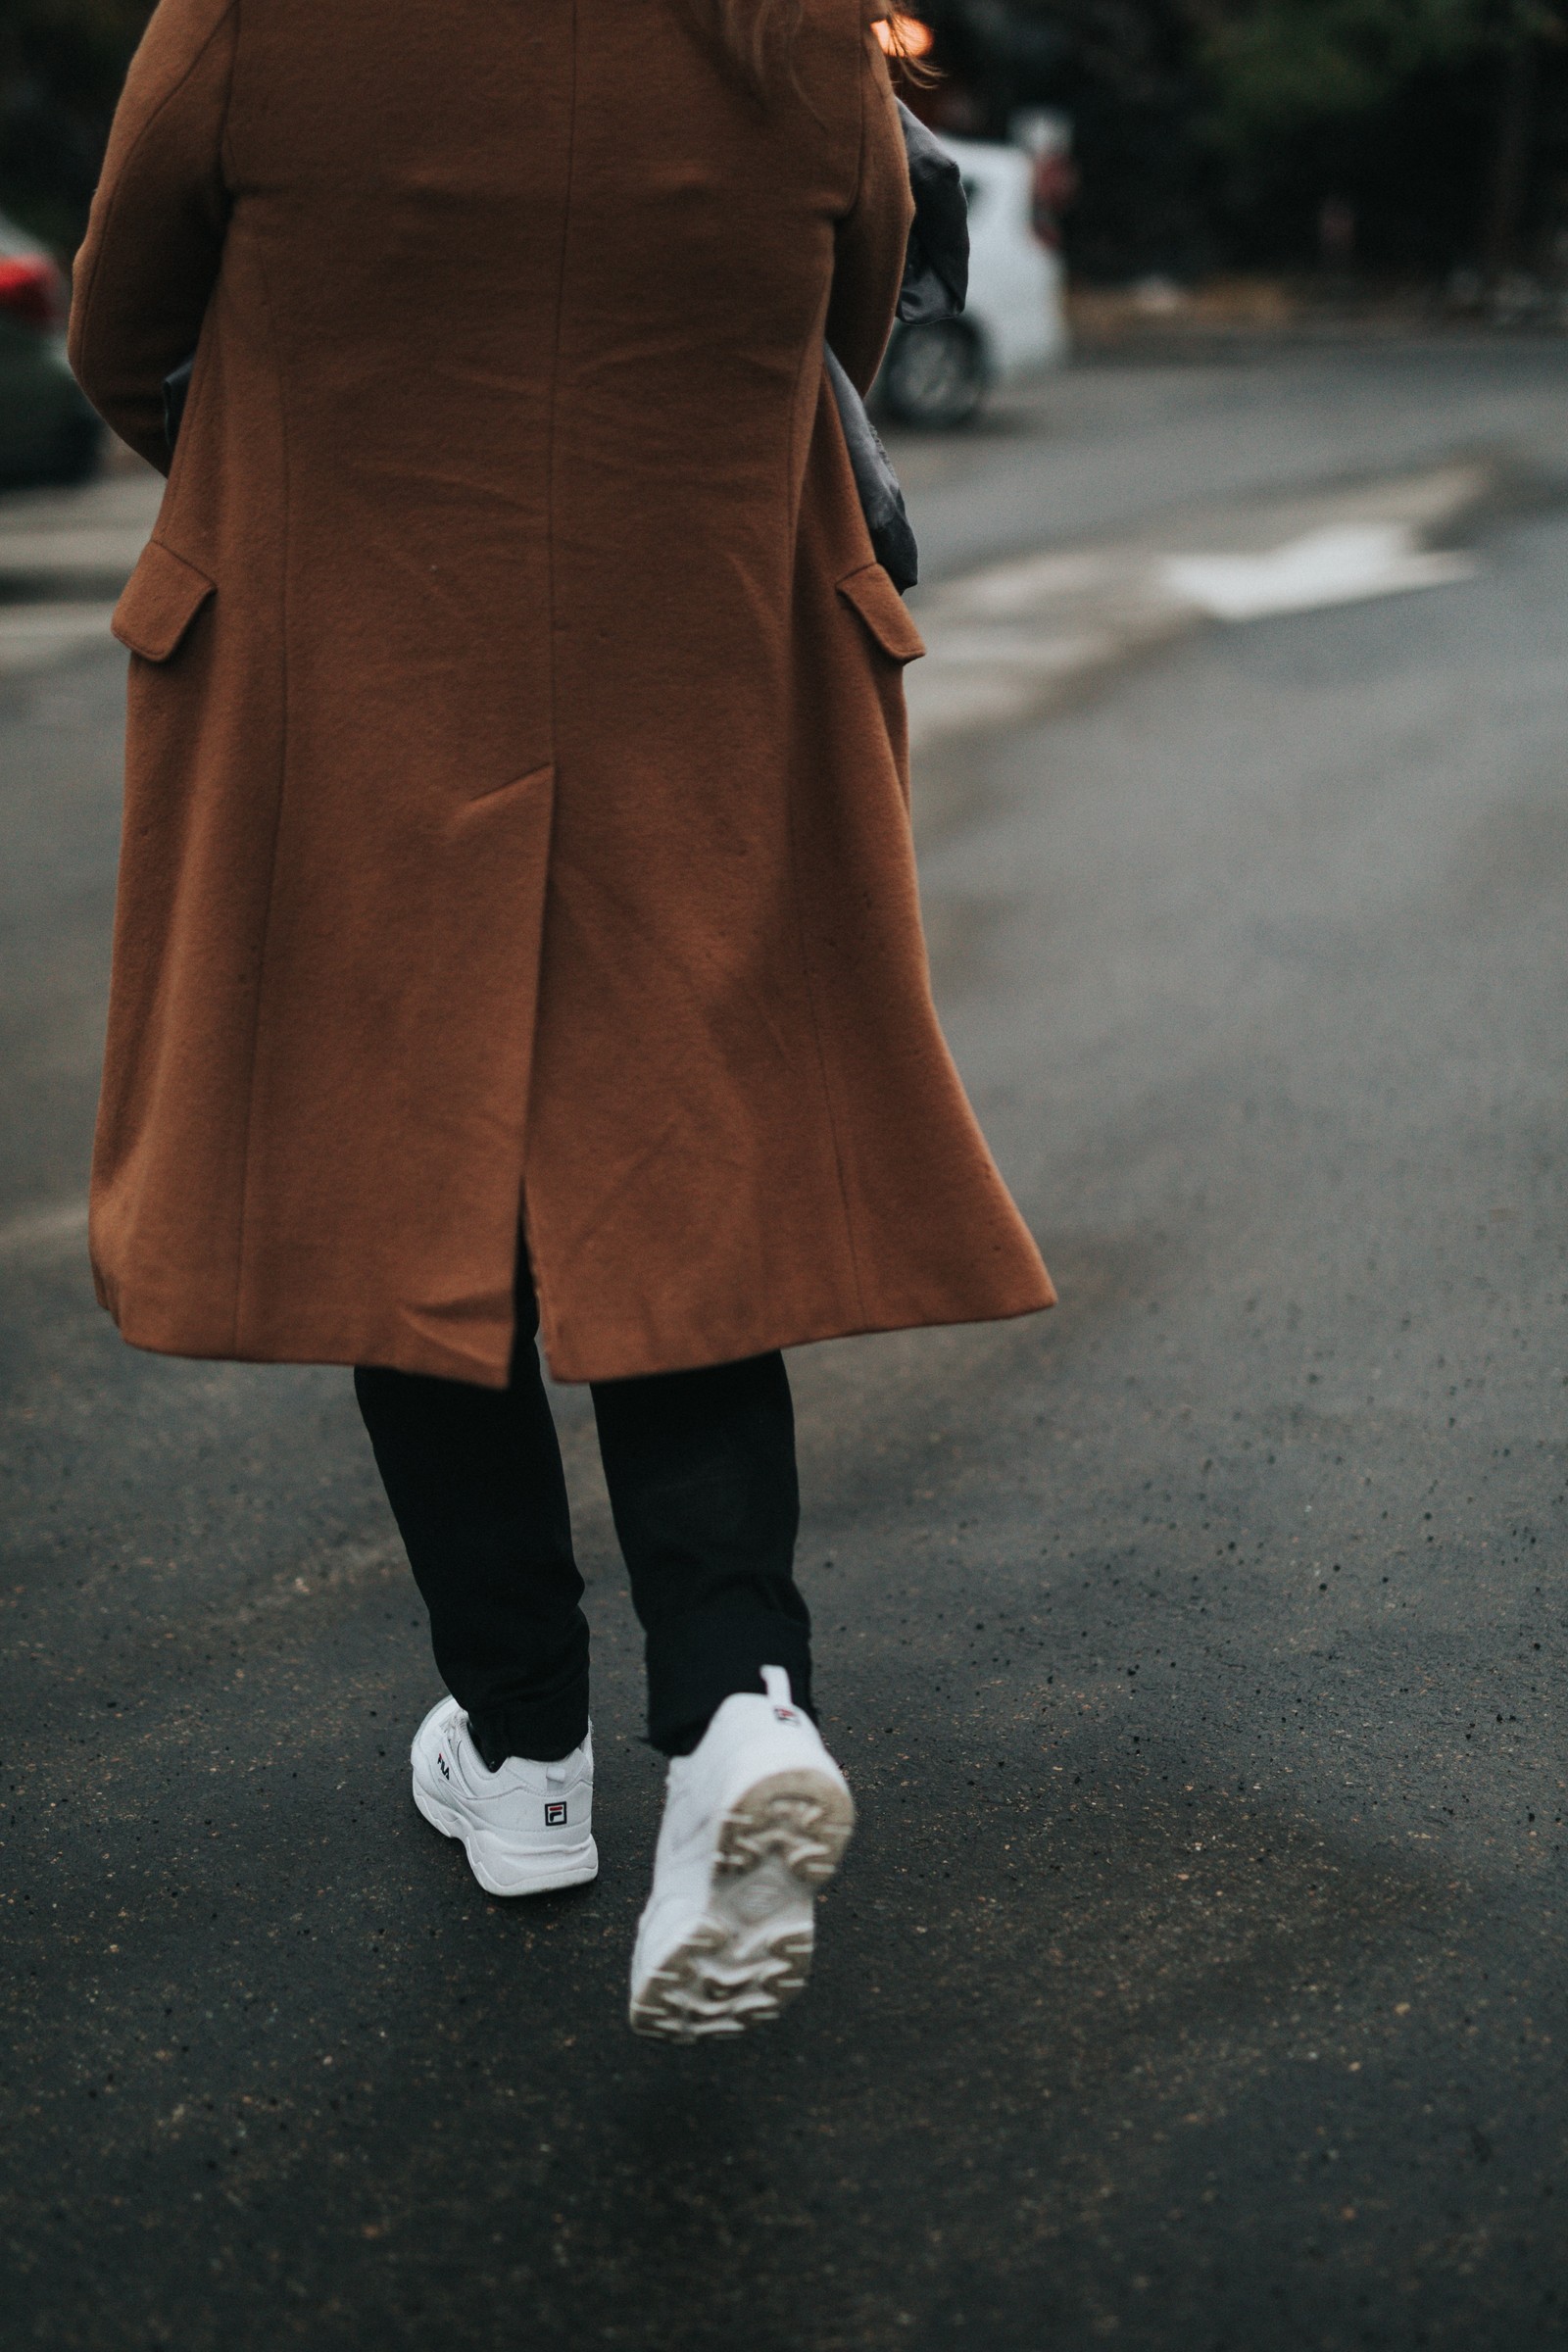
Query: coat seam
x=555, y=383
x=243, y=1238
x=795, y=480
x=821, y=1063
x=839, y=1177
x=123, y=167
x=183, y=442
x=859, y=158
x=543, y=1291
x=224, y=162
x=817, y=346
x=828, y=1105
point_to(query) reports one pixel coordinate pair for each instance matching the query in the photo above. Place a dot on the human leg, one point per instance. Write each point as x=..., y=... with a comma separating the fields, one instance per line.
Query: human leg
x=474, y=1479
x=504, y=1763
x=701, y=1478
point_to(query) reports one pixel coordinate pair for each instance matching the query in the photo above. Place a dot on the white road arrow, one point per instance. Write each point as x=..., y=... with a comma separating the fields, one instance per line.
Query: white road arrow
x=1340, y=566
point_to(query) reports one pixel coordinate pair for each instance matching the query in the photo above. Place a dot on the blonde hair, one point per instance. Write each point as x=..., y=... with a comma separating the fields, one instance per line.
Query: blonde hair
x=757, y=37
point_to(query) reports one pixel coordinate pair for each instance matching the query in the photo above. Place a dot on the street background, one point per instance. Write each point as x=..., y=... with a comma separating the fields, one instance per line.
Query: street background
x=1337, y=150
x=1196, y=1980
x=1195, y=1652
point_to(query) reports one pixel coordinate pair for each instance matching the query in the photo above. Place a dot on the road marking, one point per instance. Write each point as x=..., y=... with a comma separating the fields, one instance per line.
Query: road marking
x=1009, y=643
x=39, y=1231
x=1344, y=566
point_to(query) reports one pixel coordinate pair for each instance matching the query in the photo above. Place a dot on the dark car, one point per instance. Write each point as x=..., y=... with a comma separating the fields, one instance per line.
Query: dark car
x=47, y=431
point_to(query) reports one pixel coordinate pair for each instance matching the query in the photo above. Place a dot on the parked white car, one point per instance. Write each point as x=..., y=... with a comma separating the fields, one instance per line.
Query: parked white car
x=1014, y=320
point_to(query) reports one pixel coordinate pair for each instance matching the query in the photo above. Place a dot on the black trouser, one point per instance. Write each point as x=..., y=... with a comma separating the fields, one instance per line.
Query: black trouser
x=701, y=1472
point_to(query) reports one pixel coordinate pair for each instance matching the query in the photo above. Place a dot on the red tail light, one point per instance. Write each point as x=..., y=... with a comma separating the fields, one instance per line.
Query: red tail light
x=1055, y=185
x=31, y=291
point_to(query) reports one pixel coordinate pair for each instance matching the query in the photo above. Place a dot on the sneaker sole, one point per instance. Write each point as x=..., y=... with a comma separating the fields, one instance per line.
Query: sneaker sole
x=497, y=1867
x=750, y=1953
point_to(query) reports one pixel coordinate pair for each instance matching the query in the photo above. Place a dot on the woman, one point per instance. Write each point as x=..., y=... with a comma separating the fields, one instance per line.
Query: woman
x=516, y=901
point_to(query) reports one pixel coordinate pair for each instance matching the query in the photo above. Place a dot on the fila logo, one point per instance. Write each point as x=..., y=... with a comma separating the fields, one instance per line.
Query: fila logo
x=446, y=1769
x=556, y=1814
x=786, y=1715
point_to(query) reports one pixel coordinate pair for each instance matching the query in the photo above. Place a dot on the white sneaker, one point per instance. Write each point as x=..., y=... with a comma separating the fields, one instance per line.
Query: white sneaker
x=526, y=1828
x=756, y=1820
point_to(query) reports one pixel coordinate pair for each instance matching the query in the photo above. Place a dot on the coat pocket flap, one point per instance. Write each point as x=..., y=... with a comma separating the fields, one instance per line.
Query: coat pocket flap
x=162, y=598
x=882, y=609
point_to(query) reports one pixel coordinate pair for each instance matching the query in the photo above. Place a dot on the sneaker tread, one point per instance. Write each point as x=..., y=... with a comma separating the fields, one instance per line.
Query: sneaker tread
x=750, y=1953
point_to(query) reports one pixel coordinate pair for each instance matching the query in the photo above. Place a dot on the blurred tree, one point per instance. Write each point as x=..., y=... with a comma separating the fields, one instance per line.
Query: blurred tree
x=1277, y=65
x=1344, y=82
x=1404, y=136
x=1124, y=70
x=1401, y=135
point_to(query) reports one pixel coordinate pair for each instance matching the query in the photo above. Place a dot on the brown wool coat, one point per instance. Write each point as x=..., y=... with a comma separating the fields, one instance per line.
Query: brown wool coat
x=516, y=777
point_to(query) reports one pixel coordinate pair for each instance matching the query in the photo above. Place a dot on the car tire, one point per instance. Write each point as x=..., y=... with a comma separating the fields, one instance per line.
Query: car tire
x=933, y=376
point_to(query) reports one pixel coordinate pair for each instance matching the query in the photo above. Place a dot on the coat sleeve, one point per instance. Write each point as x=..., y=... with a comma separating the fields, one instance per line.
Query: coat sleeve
x=154, y=237
x=874, y=235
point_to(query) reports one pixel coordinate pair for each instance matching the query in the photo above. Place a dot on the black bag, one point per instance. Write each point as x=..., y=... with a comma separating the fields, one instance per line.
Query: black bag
x=175, y=387
x=935, y=267
x=881, y=497
x=936, y=281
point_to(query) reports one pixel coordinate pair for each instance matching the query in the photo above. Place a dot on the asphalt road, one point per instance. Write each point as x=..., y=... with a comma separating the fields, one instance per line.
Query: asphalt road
x=1195, y=1981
